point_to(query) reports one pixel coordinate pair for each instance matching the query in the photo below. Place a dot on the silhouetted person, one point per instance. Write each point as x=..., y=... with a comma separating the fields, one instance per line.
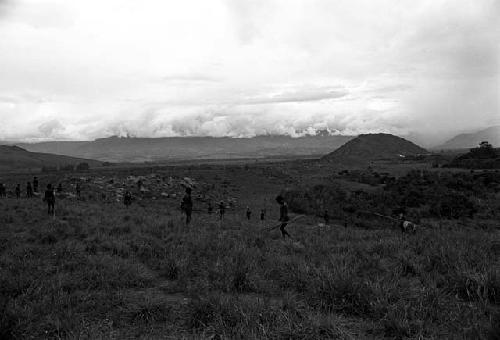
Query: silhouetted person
x=262, y=214
x=222, y=210
x=59, y=187
x=127, y=198
x=283, y=215
x=249, y=213
x=326, y=217
x=187, y=205
x=139, y=184
x=35, y=184
x=78, y=190
x=50, y=199
x=3, y=190
x=18, y=191
x=210, y=208
x=29, y=190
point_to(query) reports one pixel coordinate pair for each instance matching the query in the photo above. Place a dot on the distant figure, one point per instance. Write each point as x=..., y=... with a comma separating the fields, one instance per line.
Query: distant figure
x=210, y=208
x=222, y=210
x=262, y=214
x=50, y=198
x=187, y=205
x=127, y=198
x=139, y=184
x=283, y=215
x=249, y=213
x=326, y=217
x=3, y=190
x=29, y=190
x=59, y=187
x=78, y=190
x=406, y=226
x=18, y=191
x=35, y=184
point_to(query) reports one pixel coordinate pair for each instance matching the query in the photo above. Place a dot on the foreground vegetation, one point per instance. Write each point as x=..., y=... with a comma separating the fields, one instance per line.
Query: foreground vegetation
x=101, y=271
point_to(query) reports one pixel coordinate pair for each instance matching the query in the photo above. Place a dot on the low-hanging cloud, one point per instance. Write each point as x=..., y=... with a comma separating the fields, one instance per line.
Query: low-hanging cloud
x=89, y=69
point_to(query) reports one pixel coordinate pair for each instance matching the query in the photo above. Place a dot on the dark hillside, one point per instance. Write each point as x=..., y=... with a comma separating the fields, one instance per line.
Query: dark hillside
x=14, y=158
x=371, y=147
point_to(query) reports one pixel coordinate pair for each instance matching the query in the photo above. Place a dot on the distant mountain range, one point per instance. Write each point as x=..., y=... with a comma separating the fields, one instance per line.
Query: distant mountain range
x=16, y=158
x=118, y=149
x=470, y=140
x=370, y=147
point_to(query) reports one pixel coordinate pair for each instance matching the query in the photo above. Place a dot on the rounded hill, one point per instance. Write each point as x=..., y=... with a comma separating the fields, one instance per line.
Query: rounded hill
x=379, y=146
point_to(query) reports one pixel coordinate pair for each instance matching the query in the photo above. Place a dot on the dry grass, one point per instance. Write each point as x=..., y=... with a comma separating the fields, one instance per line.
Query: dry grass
x=103, y=271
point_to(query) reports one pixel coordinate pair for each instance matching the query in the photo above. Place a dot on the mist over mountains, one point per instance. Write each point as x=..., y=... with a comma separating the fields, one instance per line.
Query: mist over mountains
x=470, y=140
x=123, y=149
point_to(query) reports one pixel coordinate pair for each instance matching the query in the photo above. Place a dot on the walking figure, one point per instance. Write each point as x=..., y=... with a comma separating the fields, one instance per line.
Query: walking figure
x=78, y=190
x=18, y=191
x=326, y=217
x=29, y=190
x=127, y=198
x=210, y=208
x=187, y=205
x=262, y=214
x=283, y=215
x=249, y=213
x=50, y=198
x=222, y=210
x=3, y=190
x=35, y=184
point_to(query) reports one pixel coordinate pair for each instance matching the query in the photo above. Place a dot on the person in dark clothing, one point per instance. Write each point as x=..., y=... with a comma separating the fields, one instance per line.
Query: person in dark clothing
x=187, y=205
x=59, y=187
x=210, y=208
x=222, y=210
x=18, y=191
x=283, y=215
x=326, y=217
x=29, y=190
x=127, y=198
x=3, y=190
x=249, y=213
x=262, y=214
x=35, y=184
x=78, y=190
x=50, y=198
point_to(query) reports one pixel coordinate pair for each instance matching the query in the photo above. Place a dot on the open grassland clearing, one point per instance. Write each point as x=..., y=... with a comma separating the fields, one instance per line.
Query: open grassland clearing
x=100, y=270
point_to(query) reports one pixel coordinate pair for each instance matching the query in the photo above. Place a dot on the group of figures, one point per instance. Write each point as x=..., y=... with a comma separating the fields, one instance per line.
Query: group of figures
x=49, y=196
x=186, y=205
x=187, y=209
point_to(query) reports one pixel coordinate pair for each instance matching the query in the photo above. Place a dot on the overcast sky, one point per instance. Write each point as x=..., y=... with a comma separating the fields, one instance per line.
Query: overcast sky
x=84, y=69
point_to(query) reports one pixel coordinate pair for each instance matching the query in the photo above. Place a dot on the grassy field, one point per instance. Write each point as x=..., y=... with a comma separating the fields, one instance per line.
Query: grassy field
x=102, y=271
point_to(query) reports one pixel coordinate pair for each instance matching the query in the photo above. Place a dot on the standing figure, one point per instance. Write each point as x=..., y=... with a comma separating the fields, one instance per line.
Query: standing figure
x=210, y=208
x=248, y=213
x=2, y=190
x=18, y=191
x=127, y=198
x=29, y=190
x=262, y=215
x=326, y=217
x=283, y=215
x=59, y=187
x=222, y=210
x=50, y=198
x=78, y=190
x=35, y=184
x=187, y=205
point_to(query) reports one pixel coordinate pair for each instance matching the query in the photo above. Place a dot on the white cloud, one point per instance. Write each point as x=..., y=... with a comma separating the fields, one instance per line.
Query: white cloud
x=247, y=67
